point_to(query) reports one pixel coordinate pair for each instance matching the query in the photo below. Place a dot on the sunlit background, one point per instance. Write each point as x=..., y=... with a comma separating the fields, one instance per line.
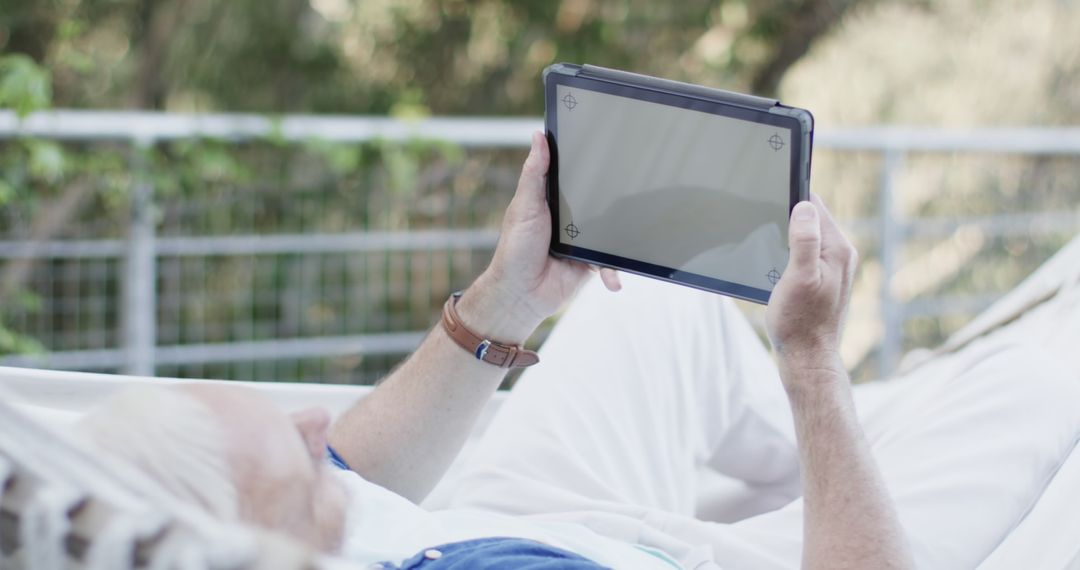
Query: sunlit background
x=279, y=246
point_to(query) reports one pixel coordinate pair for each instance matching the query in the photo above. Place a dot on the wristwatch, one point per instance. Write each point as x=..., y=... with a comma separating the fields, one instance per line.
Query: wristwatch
x=490, y=351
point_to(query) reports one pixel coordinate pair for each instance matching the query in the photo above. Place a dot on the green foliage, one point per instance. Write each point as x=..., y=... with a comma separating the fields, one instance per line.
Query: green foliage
x=46, y=160
x=394, y=57
x=24, y=85
x=12, y=342
x=341, y=159
x=7, y=192
x=208, y=187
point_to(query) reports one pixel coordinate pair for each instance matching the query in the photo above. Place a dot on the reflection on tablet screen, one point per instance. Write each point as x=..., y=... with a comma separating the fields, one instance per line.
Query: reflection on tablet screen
x=678, y=188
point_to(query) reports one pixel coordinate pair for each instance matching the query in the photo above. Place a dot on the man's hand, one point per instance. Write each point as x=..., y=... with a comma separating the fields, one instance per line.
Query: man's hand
x=523, y=281
x=806, y=310
x=849, y=518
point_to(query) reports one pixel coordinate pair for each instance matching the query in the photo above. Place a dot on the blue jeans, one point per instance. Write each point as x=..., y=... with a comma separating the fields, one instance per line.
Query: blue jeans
x=494, y=554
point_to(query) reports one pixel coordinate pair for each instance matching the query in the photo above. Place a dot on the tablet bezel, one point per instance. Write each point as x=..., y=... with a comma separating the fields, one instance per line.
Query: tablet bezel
x=680, y=100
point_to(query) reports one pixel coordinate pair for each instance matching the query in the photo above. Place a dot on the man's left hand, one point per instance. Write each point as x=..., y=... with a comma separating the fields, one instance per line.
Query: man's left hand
x=522, y=274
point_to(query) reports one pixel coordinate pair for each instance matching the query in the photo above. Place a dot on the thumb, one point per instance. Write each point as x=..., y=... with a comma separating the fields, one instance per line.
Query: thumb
x=531, y=184
x=804, y=239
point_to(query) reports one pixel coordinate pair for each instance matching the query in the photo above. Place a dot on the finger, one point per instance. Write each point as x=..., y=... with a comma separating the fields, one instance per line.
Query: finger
x=581, y=265
x=804, y=239
x=610, y=277
x=833, y=239
x=530, y=187
x=829, y=229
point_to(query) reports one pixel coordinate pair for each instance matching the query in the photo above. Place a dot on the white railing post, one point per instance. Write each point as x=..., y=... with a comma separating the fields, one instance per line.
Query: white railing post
x=139, y=303
x=891, y=237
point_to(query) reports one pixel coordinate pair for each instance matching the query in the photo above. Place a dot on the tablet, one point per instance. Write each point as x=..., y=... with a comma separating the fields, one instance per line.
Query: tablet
x=679, y=182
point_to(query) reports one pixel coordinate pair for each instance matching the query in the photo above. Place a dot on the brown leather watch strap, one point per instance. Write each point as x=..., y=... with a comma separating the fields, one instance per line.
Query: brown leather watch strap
x=490, y=351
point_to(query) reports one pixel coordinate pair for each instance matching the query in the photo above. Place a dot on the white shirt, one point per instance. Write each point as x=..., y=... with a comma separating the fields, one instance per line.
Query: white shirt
x=383, y=526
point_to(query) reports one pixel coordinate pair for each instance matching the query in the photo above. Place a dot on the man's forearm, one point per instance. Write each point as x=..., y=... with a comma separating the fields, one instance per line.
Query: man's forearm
x=850, y=521
x=405, y=434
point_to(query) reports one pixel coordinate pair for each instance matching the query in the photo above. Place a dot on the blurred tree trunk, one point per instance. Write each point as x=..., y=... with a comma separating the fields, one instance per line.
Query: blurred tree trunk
x=151, y=32
x=52, y=218
x=794, y=30
x=31, y=27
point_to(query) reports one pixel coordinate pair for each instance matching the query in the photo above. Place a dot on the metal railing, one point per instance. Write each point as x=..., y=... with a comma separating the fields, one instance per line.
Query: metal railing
x=140, y=352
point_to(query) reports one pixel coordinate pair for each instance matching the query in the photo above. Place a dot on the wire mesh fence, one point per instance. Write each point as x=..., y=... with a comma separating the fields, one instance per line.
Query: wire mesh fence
x=307, y=250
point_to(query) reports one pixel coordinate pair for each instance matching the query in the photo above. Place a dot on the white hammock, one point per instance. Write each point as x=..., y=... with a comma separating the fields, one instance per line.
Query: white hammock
x=61, y=506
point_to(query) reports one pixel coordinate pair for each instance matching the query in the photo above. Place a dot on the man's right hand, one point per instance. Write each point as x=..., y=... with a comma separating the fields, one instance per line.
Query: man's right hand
x=849, y=518
x=806, y=311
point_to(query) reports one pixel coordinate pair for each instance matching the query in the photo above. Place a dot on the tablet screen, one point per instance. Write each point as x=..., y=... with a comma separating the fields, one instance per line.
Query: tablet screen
x=685, y=189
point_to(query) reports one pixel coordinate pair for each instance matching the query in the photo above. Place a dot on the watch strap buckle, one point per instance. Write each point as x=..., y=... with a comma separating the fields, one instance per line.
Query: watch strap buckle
x=484, y=349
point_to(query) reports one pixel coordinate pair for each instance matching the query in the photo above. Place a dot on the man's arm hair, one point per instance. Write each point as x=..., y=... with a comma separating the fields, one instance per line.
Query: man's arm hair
x=849, y=519
x=404, y=435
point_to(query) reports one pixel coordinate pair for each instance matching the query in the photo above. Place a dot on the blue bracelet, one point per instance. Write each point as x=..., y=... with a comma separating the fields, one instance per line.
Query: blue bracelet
x=335, y=459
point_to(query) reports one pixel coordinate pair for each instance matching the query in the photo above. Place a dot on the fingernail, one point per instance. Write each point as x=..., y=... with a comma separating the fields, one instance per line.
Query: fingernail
x=535, y=142
x=805, y=211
